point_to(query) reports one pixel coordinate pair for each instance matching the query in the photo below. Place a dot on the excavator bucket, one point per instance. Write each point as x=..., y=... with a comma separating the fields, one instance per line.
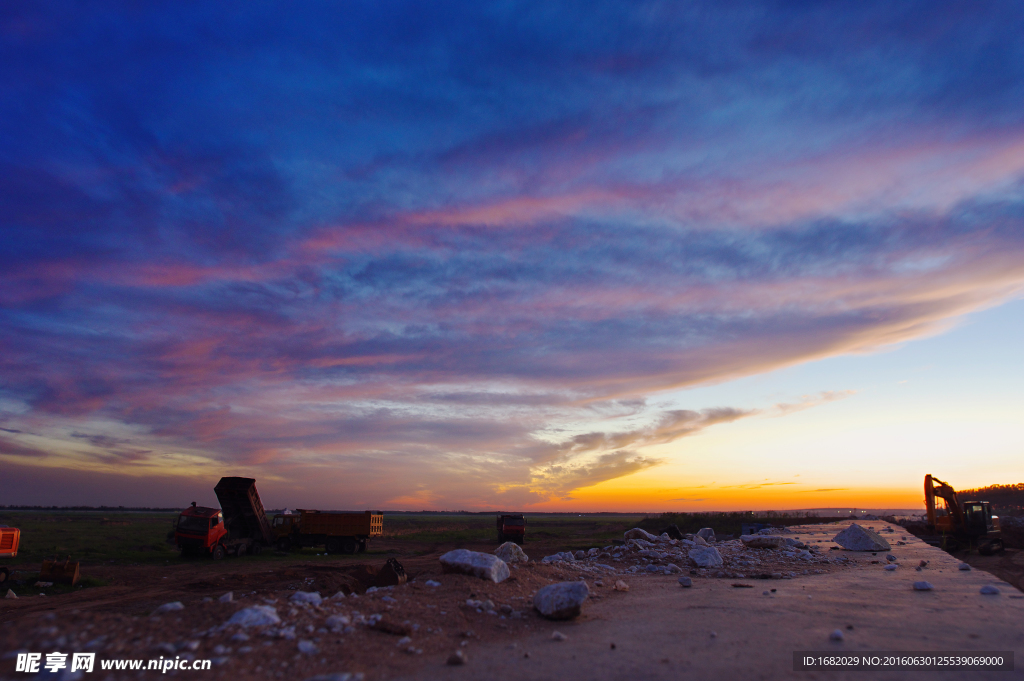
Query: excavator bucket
x=59, y=571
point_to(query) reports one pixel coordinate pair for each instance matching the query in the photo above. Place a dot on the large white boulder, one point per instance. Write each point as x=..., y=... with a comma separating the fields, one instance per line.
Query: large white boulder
x=762, y=541
x=561, y=601
x=511, y=552
x=482, y=565
x=857, y=538
x=637, y=533
x=705, y=556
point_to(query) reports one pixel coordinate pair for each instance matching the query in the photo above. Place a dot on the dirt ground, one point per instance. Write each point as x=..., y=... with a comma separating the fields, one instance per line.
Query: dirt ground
x=401, y=632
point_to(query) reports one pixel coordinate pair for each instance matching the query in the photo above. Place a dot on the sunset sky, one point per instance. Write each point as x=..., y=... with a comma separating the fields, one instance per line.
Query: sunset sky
x=593, y=256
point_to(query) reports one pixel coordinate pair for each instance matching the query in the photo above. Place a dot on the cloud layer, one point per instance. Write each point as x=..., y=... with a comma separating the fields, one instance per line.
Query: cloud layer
x=454, y=250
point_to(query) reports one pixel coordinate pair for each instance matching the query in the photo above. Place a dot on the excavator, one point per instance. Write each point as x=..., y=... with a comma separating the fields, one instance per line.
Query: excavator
x=961, y=525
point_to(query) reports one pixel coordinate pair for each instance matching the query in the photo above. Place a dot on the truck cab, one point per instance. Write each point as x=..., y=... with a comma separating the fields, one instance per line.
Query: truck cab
x=285, y=526
x=512, y=527
x=200, y=531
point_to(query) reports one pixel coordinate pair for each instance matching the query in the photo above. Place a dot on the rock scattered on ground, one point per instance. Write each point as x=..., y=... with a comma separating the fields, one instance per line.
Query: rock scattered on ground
x=762, y=541
x=990, y=590
x=256, y=616
x=311, y=597
x=621, y=585
x=561, y=601
x=890, y=567
x=558, y=636
x=511, y=552
x=457, y=658
x=706, y=557
x=685, y=582
x=837, y=635
x=227, y=598
x=11, y=594
x=923, y=586
x=857, y=538
x=637, y=533
x=964, y=566
x=476, y=564
x=169, y=607
x=706, y=533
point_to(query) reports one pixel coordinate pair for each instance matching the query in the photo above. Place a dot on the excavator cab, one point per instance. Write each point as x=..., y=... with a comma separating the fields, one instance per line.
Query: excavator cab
x=979, y=519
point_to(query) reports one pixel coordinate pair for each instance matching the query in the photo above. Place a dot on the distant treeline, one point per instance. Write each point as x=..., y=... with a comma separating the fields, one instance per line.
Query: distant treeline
x=731, y=522
x=1006, y=499
x=107, y=509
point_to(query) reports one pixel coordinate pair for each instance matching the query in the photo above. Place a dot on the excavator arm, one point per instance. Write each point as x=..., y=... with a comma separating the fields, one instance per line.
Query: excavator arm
x=944, y=491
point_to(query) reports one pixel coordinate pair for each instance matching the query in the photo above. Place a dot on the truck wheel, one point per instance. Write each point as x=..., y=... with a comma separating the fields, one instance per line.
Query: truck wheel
x=348, y=545
x=240, y=551
x=4, y=575
x=219, y=552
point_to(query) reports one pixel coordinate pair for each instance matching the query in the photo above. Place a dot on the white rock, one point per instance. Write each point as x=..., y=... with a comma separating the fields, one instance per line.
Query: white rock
x=890, y=567
x=620, y=585
x=857, y=538
x=337, y=621
x=923, y=586
x=11, y=594
x=227, y=598
x=685, y=582
x=169, y=607
x=482, y=565
x=637, y=533
x=964, y=566
x=706, y=556
x=256, y=616
x=990, y=590
x=762, y=541
x=565, y=556
x=311, y=597
x=699, y=541
x=511, y=552
x=707, y=534
x=558, y=636
x=891, y=558
x=431, y=582
x=307, y=647
x=561, y=601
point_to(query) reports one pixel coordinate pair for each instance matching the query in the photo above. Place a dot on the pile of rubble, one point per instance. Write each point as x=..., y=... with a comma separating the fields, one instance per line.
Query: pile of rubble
x=763, y=555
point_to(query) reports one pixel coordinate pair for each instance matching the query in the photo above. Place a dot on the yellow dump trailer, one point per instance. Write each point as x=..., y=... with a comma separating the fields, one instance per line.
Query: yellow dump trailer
x=338, y=531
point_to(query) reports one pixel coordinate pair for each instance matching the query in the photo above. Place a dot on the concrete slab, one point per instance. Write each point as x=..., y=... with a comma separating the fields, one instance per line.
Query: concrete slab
x=714, y=630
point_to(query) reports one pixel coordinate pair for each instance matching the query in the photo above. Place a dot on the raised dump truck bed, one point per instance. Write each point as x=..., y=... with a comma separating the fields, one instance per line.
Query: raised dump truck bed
x=338, y=531
x=244, y=517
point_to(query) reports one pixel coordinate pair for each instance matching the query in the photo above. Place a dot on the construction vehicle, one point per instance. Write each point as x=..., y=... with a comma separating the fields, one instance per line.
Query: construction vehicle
x=10, y=537
x=337, y=531
x=511, y=527
x=961, y=525
x=60, y=571
x=238, y=527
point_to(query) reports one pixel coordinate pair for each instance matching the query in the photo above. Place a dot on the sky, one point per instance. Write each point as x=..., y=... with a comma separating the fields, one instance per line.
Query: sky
x=586, y=257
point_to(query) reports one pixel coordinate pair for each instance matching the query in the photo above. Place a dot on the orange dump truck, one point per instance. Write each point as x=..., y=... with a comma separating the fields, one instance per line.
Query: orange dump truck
x=338, y=531
x=9, y=538
x=238, y=527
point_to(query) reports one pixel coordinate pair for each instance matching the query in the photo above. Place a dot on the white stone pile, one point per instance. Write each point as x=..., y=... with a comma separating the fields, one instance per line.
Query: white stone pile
x=644, y=553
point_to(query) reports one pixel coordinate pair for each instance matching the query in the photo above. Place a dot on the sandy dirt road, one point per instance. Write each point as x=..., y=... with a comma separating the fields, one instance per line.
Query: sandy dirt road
x=659, y=630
